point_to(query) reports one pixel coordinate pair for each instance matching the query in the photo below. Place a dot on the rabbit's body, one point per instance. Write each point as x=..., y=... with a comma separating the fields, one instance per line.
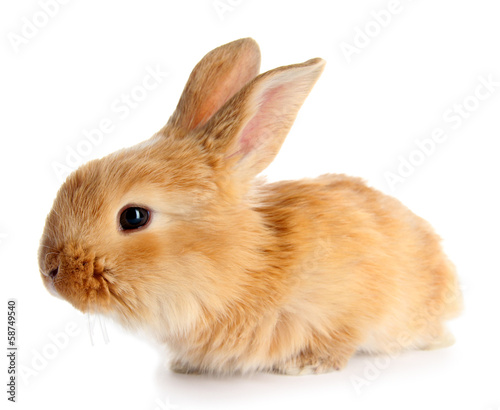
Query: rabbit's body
x=175, y=237
x=356, y=271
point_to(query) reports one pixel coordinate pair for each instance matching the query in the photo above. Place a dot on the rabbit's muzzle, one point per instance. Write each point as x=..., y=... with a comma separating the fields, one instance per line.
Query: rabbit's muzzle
x=77, y=276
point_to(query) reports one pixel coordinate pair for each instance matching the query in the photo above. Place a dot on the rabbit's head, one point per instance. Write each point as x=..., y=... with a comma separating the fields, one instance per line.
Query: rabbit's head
x=159, y=232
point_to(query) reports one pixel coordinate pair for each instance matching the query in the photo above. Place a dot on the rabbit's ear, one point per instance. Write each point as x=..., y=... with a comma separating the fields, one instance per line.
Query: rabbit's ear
x=250, y=128
x=214, y=80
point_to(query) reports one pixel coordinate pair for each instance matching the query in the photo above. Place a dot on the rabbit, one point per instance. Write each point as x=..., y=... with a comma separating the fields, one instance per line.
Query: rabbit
x=176, y=238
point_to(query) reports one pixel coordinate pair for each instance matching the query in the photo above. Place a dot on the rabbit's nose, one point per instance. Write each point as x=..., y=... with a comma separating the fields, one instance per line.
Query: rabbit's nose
x=53, y=272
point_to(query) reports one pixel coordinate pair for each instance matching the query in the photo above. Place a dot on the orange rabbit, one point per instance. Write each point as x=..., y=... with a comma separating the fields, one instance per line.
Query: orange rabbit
x=176, y=238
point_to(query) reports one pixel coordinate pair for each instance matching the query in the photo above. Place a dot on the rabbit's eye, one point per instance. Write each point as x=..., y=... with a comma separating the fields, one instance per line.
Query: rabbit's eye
x=133, y=218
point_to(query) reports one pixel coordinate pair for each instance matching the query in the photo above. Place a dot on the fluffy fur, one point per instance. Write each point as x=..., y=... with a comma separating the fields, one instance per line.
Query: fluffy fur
x=235, y=275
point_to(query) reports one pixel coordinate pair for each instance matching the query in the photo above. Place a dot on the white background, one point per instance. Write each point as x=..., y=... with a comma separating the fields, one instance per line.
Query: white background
x=362, y=118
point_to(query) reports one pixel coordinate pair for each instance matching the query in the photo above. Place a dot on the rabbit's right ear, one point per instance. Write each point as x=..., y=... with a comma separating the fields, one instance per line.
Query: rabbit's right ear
x=215, y=79
x=246, y=134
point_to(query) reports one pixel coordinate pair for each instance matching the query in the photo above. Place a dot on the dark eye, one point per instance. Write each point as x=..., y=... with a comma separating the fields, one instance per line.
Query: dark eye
x=133, y=218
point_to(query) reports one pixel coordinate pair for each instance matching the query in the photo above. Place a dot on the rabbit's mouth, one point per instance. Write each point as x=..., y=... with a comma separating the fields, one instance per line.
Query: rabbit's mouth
x=78, y=277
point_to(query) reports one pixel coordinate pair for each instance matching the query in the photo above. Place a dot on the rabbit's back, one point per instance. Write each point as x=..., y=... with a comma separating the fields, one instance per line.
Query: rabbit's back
x=363, y=262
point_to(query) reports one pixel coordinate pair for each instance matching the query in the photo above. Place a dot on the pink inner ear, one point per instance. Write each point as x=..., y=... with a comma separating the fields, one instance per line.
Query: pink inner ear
x=259, y=129
x=226, y=86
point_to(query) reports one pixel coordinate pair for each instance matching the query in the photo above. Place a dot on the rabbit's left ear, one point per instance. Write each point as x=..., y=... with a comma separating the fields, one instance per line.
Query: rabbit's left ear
x=215, y=79
x=248, y=131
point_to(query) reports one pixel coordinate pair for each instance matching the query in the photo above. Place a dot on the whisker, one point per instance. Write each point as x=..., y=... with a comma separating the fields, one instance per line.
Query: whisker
x=48, y=247
x=92, y=318
x=104, y=330
x=90, y=328
x=53, y=210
